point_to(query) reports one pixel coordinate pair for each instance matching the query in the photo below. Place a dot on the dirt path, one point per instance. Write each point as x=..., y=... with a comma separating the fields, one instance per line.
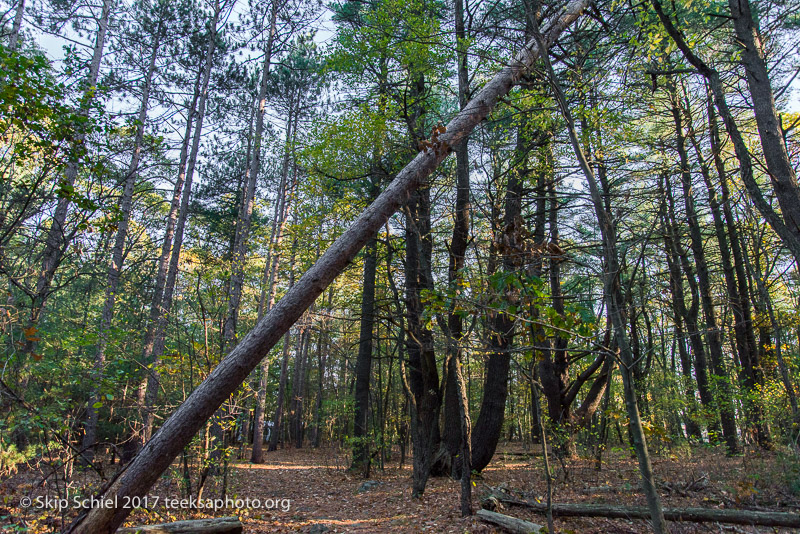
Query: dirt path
x=311, y=491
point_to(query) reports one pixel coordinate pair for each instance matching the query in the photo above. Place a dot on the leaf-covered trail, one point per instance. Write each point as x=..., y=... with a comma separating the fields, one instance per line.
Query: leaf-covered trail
x=324, y=493
x=324, y=497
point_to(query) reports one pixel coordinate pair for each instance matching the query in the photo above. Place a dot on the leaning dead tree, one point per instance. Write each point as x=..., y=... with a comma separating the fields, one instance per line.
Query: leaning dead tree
x=180, y=428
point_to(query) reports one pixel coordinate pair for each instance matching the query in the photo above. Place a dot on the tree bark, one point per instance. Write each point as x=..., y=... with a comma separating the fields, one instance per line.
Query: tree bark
x=615, y=303
x=278, y=426
x=508, y=523
x=423, y=373
x=322, y=360
x=16, y=28
x=181, y=427
x=457, y=422
x=58, y=237
x=216, y=525
x=149, y=388
x=712, y=334
x=117, y=257
x=363, y=370
x=299, y=383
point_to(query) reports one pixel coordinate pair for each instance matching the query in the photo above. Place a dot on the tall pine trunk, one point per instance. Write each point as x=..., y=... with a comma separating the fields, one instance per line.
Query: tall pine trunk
x=615, y=302
x=117, y=256
x=283, y=205
x=148, y=390
x=723, y=399
x=16, y=27
x=58, y=237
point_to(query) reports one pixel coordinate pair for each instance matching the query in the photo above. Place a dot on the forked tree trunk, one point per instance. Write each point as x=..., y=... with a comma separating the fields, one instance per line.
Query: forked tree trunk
x=423, y=372
x=181, y=427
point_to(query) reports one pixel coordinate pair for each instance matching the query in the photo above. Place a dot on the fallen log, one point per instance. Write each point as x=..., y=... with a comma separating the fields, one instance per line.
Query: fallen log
x=696, y=515
x=511, y=524
x=214, y=525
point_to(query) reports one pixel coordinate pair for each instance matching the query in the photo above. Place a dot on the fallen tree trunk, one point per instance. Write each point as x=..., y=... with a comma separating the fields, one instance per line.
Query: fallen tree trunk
x=696, y=515
x=511, y=524
x=159, y=452
x=214, y=525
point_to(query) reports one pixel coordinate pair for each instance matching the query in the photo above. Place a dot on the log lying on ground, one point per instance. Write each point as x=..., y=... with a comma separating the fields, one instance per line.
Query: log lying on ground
x=511, y=524
x=158, y=453
x=214, y=525
x=696, y=515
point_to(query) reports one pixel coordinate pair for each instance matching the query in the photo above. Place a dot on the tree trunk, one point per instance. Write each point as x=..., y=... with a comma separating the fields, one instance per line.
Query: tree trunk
x=488, y=426
x=151, y=384
x=699, y=515
x=423, y=372
x=132, y=445
x=58, y=237
x=723, y=400
x=691, y=314
x=115, y=267
x=363, y=368
x=322, y=359
x=215, y=525
x=278, y=421
x=237, y=278
x=615, y=303
x=269, y=284
x=181, y=427
x=299, y=382
x=13, y=42
x=508, y=523
x=680, y=314
x=458, y=437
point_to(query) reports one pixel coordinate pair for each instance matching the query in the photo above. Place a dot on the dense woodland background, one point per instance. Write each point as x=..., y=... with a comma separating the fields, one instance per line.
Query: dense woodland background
x=167, y=178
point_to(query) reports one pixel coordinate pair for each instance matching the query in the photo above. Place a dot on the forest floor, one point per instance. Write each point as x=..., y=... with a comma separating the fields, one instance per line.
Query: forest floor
x=310, y=489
